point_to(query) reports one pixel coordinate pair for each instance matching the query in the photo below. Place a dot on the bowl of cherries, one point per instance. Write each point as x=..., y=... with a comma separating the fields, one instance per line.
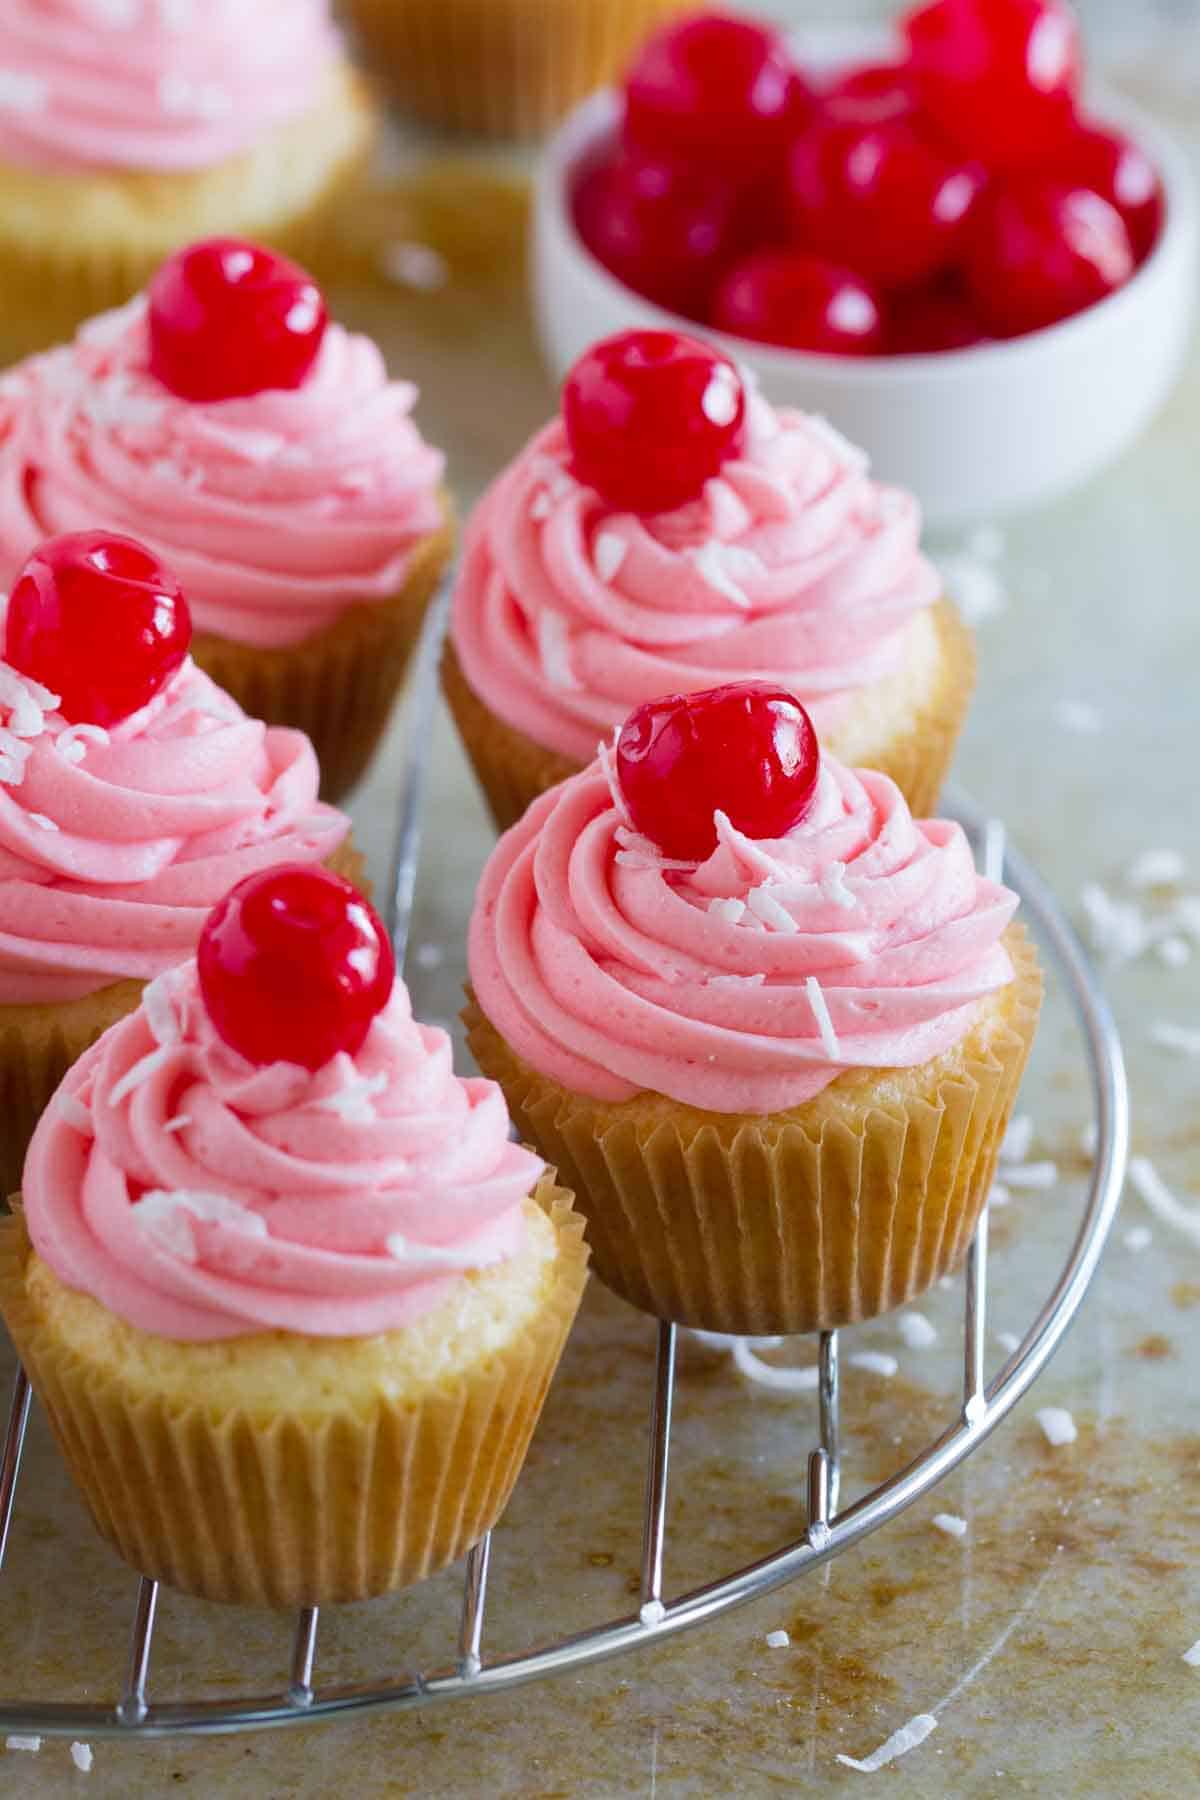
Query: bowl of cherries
x=980, y=275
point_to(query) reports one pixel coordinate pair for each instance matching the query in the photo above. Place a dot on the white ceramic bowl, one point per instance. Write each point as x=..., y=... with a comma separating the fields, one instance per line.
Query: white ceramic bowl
x=975, y=433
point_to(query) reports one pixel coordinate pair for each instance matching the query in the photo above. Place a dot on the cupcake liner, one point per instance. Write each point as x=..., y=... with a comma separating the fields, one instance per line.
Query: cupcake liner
x=339, y=685
x=53, y=283
x=39, y=1043
x=513, y=769
x=833, y=1212
x=503, y=68
x=294, y=1512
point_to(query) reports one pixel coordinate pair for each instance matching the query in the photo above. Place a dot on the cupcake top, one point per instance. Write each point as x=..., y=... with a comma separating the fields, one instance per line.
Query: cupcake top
x=159, y=85
x=746, y=976
x=201, y=1193
x=278, y=508
x=589, y=585
x=116, y=838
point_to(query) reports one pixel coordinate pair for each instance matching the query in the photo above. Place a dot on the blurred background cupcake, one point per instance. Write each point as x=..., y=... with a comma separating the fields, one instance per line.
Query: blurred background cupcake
x=129, y=127
x=504, y=68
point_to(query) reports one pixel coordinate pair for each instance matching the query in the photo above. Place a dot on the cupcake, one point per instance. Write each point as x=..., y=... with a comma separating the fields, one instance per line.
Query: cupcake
x=671, y=532
x=290, y=1296
x=768, y=1026
x=262, y=451
x=133, y=794
x=504, y=68
x=129, y=128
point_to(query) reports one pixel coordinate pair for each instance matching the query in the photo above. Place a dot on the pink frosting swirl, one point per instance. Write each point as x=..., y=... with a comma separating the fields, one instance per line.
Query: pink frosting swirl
x=114, y=845
x=163, y=85
x=793, y=567
x=747, y=983
x=200, y=1197
x=276, y=512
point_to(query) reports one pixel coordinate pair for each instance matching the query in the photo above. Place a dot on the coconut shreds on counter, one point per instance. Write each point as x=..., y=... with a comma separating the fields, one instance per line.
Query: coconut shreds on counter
x=875, y=1362
x=16, y=1742
x=1031, y=1175
x=789, y=1381
x=1192, y=1656
x=1018, y=1139
x=1152, y=915
x=1150, y=1185
x=918, y=1332
x=951, y=1524
x=1183, y=1038
x=1058, y=1427
x=81, y=1756
x=778, y=1640
x=1138, y=1238
x=999, y=1195
x=899, y=1744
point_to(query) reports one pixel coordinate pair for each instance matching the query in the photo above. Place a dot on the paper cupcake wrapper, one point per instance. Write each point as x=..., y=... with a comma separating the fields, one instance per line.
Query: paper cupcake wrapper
x=503, y=68
x=49, y=290
x=338, y=686
x=295, y=1513
x=39, y=1043
x=512, y=769
x=836, y=1211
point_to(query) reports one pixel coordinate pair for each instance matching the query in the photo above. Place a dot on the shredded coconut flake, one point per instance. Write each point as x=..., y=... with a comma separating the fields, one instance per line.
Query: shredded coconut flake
x=1182, y=1038
x=1159, y=1198
x=787, y=1381
x=820, y=1011
x=875, y=1362
x=180, y=1122
x=72, y=743
x=16, y=1742
x=764, y=906
x=554, y=649
x=160, y=1010
x=1018, y=1139
x=711, y=560
x=352, y=1101
x=778, y=1640
x=1058, y=1427
x=731, y=910
x=899, y=1744
x=1008, y=1340
x=1031, y=1175
x=1192, y=1656
x=976, y=589
x=1117, y=929
x=81, y=1756
x=141, y=1071
x=74, y=1112
x=541, y=506
x=434, y=1256
x=42, y=822
x=834, y=887
x=608, y=763
x=608, y=553
x=916, y=1330
x=1156, y=868
x=1138, y=1238
x=414, y=265
x=951, y=1524
x=166, y=1217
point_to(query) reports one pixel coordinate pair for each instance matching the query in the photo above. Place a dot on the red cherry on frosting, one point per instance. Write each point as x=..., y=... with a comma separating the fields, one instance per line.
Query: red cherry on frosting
x=998, y=77
x=784, y=297
x=98, y=620
x=1040, y=251
x=748, y=750
x=650, y=417
x=294, y=964
x=228, y=319
x=720, y=92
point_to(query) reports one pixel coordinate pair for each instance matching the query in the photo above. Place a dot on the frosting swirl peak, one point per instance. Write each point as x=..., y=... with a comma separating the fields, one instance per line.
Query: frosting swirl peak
x=200, y=1197
x=747, y=982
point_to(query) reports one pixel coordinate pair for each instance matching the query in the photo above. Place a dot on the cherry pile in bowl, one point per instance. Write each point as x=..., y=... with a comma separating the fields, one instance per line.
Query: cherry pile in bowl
x=956, y=195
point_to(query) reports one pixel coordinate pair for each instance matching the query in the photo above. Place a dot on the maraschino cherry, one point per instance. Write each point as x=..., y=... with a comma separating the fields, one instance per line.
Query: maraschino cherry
x=720, y=91
x=98, y=620
x=228, y=318
x=662, y=227
x=1042, y=250
x=998, y=77
x=294, y=964
x=650, y=417
x=1112, y=165
x=748, y=750
x=803, y=302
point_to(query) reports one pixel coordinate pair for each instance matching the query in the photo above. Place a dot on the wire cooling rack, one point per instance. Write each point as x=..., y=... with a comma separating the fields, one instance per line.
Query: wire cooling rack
x=978, y=1409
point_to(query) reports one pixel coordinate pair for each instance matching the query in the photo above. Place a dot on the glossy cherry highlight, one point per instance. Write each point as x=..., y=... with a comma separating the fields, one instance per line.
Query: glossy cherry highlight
x=661, y=227
x=650, y=417
x=228, y=318
x=748, y=750
x=1041, y=251
x=98, y=620
x=294, y=964
x=721, y=91
x=802, y=302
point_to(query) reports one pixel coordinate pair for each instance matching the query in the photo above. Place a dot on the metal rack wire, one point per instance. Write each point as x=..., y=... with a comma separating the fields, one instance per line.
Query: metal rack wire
x=979, y=1409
